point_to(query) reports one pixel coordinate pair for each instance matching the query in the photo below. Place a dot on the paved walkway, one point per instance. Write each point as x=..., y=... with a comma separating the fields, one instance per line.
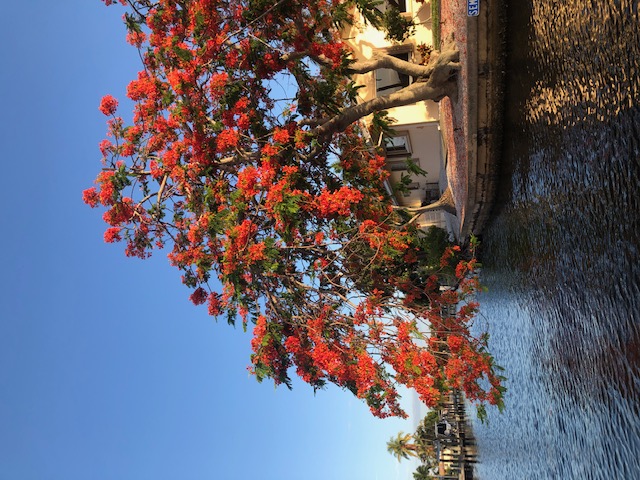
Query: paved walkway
x=471, y=123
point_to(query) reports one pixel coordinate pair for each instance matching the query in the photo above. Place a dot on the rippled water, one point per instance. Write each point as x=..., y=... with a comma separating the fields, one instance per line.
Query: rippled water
x=561, y=255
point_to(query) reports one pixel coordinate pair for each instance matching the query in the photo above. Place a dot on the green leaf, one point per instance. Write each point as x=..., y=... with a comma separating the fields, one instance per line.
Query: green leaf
x=231, y=318
x=413, y=167
x=131, y=23
x=182, y=53
x=482, y=413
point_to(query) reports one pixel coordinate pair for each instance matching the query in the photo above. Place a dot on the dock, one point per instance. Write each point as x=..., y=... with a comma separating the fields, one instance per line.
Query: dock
x=455, y=444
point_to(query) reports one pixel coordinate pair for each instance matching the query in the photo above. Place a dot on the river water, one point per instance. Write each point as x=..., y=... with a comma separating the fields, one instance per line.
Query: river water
x=561, y=254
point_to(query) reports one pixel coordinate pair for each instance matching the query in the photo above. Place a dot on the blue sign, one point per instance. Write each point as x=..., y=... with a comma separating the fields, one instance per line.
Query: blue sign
x=473, y=8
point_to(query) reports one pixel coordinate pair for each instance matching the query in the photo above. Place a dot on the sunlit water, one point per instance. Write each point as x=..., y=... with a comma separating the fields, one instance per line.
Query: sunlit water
x=561, y=255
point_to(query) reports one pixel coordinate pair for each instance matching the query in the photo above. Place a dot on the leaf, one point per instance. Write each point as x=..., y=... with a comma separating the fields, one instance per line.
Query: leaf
x=132, y=24
x=413, y=167
x=481, y=411
x=183, y=54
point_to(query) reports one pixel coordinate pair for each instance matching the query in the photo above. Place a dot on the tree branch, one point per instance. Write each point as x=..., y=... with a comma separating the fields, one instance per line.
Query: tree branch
x=436, y=81
x=408, y=95
x=445, y=203
x=448, y=57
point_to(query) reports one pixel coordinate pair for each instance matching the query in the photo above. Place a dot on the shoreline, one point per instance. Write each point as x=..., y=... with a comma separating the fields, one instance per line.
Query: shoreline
x=471, y=125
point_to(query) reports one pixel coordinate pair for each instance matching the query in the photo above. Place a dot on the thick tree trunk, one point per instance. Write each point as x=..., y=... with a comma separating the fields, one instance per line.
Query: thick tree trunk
x=444, y=203
x=413, y=93
x=434, y=81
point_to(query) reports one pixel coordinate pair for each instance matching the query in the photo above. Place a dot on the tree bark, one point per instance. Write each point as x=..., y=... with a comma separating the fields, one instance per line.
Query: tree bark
x=445, y=203
x=434, y=82
x=448, y=57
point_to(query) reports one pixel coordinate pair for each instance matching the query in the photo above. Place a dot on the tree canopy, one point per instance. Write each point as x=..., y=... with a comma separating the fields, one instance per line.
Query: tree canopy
x=272, y=200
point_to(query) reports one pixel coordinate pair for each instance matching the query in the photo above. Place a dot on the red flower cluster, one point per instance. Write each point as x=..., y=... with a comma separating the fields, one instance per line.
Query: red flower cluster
x=199, y=296
x=108, y=105
x=112, y=234
x=90, y=197
x=227, y=139
x=338, y=202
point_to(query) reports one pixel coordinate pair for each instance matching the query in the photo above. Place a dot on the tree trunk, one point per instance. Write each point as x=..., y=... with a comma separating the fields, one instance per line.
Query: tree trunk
x=434, y=81
x=444, y=203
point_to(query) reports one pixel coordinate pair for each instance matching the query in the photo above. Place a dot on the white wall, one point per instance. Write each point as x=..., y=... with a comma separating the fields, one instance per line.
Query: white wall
x=366, y=40
x=426, y=153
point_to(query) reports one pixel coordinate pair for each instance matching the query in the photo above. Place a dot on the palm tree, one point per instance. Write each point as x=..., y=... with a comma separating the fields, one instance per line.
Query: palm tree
x=401, y=446
x=423, y=472
x=425, y=436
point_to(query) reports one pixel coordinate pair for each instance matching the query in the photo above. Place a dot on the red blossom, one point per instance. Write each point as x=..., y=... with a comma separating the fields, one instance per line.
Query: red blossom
x=199, y=296
x=112, y=235
x=136, y=38
x=455, y=343
x=214, y=305
x=90, y=197
x=227, y=139
x=281, y=135
x=256, y=252
x=120, y=213
x=337, y=202
x=248, y=181
x=108, y=105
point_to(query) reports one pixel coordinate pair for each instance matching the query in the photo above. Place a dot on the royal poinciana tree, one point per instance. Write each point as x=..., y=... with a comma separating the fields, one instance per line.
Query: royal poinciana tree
x=275, y=209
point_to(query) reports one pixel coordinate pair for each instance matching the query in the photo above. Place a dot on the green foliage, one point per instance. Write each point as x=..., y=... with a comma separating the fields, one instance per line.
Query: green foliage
x=183, y=53
x=401, y=446
x=121, y=178
x=397, y=27
x=351, y=90
x=435, y=22
x=381, y=125
x=481, y=412
x=369, y=9
x=433, y=244
x=425, y=435
x=414, y=168
x=406, y=180
x=402, y=186
x=132, y=23
x=423, y=472
x=425, y=432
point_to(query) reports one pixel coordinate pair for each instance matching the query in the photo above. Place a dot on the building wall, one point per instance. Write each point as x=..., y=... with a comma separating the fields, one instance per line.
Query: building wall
x=426, y=152
x=418, y=122
x=366, y=41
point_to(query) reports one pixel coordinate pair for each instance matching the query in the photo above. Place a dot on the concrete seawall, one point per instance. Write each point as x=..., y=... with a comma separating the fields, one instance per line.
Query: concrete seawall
x=471, y=124
x=486, y=60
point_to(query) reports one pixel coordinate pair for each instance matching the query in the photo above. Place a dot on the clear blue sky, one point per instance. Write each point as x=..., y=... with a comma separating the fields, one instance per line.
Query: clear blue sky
x=106, y=369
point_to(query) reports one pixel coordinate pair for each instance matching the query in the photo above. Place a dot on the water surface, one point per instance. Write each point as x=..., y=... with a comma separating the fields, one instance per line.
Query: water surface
x=561, y=253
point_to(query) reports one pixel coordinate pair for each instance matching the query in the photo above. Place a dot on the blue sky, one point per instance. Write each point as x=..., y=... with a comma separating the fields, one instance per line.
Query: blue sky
x=106, y=369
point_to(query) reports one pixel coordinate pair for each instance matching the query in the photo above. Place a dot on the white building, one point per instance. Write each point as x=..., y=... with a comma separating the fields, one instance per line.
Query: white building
x=417, y=129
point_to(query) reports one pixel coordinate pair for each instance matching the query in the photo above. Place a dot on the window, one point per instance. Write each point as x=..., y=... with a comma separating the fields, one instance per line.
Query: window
x=401, y=5
x=397, y=166
x=389, y=81
x=398, y=145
